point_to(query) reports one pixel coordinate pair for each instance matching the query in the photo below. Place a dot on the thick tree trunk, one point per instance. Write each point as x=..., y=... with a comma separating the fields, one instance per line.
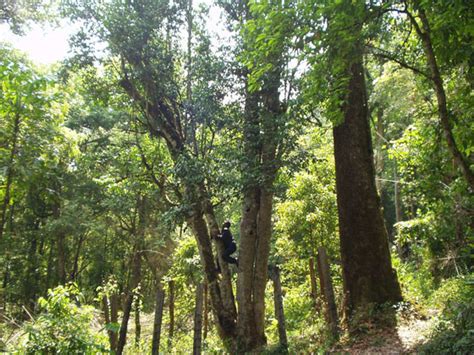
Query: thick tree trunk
x=171, y=314
x=247, y=330
x=160, y=299
x=279, y=309
x=367, y=272
x=225, y=316
x=425, y=35
x=197, y=343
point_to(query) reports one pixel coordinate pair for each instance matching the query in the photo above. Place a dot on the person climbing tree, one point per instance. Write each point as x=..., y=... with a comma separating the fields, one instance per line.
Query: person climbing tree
x=229, y=244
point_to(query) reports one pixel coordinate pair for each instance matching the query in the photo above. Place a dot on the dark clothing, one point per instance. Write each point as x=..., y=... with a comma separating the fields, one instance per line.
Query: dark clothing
x=229, y=246
x=227, y=238
x=228, y=251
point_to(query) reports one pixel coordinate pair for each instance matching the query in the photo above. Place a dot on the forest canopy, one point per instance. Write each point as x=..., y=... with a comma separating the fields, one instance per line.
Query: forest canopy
x=239, y=176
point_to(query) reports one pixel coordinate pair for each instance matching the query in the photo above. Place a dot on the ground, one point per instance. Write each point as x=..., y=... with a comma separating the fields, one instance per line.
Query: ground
x=405, y=338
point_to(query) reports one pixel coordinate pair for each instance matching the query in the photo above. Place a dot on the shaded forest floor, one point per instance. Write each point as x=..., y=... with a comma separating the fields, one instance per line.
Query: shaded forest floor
x=405, y=338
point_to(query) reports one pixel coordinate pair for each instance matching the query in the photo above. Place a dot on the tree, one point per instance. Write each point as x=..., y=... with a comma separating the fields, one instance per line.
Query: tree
x=367, y=270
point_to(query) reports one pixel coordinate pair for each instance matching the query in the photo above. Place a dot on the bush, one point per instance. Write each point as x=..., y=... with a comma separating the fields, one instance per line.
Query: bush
x=63, y=326
x=454, y=330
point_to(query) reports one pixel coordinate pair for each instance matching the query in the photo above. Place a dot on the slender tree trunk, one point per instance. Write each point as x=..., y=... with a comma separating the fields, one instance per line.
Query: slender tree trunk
x=106, y=309
x=124, y=325
x=424, y=32
x=171, y=314
x=206, y=311
x=328, y=292
x=60, y=237
x=160, y=299
x=314, y=287
x=379, y=163
x=197, y=344
x=77, y=254
x=114, y=319
x=49, y=270
x=138, y=326
x=397, y=196
x=10, y=170
x=134, y=282
x=367, y=271
x=279, y=309
x=31, y=281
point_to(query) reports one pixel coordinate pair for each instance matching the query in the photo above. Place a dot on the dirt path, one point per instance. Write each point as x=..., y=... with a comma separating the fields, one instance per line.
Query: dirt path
x=404, y=339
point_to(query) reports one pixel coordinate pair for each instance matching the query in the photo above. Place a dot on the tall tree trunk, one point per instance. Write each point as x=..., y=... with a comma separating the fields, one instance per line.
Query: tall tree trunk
x=10, y=169
x=248, y=227
x=279, y=309
x=260, y=142
x=160, y=299
x=225, y=316
x=171, y=314
x=367, y=271
x=424, y=32
x=197, y=343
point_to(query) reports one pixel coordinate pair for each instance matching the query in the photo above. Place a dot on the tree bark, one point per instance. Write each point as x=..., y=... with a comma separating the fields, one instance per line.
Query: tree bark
x=424, y=32
x=279, y=309
x=197, y=344
x=314, y=287
x=60, y=239
x=328, y=292
x=206, y=312
x=367, y=271
x=134, y=282
x=77, y=254
x=379, y=162
x=171, y=314
x=107, y=314
x=114, y=319
x=160, y=299
x=397, y=196
x=138, y=326
x=225, y=316
x=10, y=169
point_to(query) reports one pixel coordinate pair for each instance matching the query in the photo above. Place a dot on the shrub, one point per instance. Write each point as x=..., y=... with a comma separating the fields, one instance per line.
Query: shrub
x=454, y=330
x=63, y=326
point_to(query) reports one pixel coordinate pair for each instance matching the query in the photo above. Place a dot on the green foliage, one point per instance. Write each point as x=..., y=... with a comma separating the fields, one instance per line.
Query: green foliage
x=63, y=325
x=454, y=329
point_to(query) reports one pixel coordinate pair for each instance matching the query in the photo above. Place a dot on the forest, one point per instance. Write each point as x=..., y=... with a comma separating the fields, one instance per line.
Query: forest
x=264, y=177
